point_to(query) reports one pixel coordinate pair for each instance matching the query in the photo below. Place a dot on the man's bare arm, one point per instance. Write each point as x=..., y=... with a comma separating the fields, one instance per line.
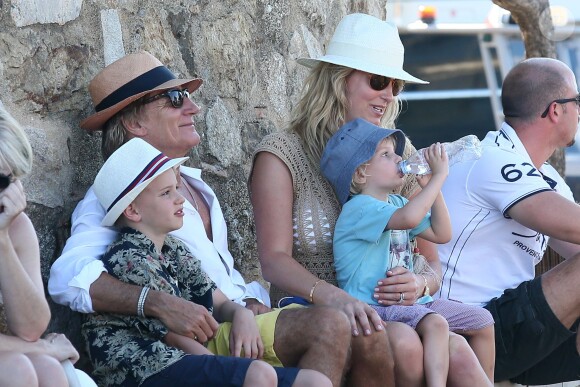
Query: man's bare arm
x=111, y=295
x=550, y=214
x=553, y=215
x=565, y=249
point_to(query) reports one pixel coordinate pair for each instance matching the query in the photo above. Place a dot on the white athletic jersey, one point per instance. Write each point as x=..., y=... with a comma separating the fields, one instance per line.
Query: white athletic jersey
x=489, y=252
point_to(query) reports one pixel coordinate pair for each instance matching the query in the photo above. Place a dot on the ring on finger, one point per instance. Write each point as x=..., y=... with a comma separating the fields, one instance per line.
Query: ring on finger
x=401, y=298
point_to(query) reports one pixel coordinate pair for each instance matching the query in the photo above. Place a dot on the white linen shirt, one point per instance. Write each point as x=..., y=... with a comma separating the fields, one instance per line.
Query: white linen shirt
x=79, y=266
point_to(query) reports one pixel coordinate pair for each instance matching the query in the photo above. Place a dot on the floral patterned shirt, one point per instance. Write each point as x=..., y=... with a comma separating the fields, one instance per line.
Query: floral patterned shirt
x=126, y=350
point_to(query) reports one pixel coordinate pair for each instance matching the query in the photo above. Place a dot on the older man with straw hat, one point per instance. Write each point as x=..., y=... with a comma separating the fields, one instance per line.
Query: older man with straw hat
x=138, y=97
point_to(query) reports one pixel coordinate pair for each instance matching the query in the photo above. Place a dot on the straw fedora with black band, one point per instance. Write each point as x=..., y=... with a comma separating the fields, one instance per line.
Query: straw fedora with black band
x=126, y=80
x=126, y=173
x=366, y=43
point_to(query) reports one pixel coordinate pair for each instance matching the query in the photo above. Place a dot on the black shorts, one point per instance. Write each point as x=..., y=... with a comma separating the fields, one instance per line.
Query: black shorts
x=532, y=345
x=210, y=370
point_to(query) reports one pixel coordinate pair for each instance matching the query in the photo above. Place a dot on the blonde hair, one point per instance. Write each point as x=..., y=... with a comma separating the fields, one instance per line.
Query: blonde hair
x=15, y=149
x=321, y=110
x=114, y=132
x=356, y=188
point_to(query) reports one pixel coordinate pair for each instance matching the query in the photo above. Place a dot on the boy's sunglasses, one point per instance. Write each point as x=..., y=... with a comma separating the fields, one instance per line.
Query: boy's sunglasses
x=176, y=97
x=5, y=181
x=380, y=82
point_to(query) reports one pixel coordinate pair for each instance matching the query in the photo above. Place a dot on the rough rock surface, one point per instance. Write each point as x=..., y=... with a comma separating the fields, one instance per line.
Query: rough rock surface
x=245, y=51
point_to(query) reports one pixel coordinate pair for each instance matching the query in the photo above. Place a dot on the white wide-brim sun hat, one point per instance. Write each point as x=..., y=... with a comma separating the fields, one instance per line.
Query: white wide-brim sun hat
x=366, y=43
x=126, y=173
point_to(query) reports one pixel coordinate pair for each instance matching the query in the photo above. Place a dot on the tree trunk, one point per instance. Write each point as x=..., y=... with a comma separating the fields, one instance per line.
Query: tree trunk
x=533, y=17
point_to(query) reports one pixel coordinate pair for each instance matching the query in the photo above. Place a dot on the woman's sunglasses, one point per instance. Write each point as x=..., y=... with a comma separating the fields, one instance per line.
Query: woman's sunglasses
x=380, y=82
x=176, y=97
x=5, y=181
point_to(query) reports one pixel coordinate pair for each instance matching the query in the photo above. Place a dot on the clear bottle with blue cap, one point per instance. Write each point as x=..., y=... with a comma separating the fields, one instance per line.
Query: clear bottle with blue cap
x=464, y=149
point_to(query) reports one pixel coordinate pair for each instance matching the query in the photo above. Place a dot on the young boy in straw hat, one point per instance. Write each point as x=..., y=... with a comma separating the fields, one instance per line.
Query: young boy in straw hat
x=373, y=234
x=137, y=186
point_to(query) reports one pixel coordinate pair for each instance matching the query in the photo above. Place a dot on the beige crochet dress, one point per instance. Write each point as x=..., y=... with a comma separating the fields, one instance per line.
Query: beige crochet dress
x=315, y=208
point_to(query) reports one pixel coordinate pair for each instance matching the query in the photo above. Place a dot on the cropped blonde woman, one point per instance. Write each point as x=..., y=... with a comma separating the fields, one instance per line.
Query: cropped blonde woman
x=25, y=358
x=296, y=210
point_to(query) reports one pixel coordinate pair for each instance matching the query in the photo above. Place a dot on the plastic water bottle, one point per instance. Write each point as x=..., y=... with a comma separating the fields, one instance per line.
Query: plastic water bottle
x=463, y=149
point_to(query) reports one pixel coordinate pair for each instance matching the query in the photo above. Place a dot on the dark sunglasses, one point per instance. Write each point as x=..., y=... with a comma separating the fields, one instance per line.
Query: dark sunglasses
x=380, y=82
x=5, y=181
x=176, y=97
x=561, y=101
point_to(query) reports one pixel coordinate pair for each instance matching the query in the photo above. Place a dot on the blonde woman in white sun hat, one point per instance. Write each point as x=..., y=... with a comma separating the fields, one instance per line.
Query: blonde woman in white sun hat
x=295, y=208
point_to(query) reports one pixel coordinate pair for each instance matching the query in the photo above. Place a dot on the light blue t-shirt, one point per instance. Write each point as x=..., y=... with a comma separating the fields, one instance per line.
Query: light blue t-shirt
x=362, y=244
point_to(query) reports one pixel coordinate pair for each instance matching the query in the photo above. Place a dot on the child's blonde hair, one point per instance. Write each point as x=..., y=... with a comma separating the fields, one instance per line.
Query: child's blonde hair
x=355, y=187
x=15, y=149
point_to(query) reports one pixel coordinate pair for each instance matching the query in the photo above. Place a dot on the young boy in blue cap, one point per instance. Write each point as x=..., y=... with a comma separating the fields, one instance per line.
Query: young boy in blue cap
x=373, y=234
x=137, y=186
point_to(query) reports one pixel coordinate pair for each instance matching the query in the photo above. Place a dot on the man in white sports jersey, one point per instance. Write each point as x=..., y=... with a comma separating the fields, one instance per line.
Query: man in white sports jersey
x=505, y=209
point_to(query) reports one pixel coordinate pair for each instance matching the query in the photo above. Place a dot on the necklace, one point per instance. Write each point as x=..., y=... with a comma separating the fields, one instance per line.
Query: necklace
x=190, y=192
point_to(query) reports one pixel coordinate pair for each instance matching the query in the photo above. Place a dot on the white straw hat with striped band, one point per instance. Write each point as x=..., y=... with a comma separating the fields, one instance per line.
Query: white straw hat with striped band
x=126, y=173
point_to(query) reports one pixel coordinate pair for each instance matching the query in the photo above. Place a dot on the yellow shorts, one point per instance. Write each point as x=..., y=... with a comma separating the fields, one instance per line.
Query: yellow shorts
x=220, y=344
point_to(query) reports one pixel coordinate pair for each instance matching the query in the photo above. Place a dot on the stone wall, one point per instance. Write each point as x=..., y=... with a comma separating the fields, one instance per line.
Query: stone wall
x=244, y=50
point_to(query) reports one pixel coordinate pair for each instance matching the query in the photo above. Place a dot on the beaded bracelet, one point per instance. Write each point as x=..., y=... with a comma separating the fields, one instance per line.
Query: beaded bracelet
x=141, y=302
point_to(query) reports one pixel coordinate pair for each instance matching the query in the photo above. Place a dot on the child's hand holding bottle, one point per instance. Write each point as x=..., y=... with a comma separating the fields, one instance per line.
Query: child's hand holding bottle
x=436, y=157
x=438, y=162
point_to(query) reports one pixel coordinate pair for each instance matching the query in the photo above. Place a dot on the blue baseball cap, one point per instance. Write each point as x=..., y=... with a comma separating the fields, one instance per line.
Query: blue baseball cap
x=353, y=144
